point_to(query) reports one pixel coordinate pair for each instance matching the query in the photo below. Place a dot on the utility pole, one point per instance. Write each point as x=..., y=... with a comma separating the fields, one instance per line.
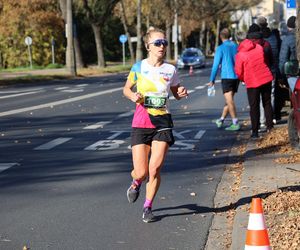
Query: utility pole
x=139, y=35
x=175, y=31
x=298, y=29
x=71, y=64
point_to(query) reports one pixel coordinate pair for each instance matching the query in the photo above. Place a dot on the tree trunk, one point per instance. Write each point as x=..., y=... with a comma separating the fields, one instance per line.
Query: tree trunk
x=298, y=30
x=217, y=34
x=78, y=54
x=176, y=30
x=139, y=51
x=71, y=64
x=168, y=36
x=125, y=25
x=99, y=46
x=148, y=22
x=202, y=35
x=207, y=49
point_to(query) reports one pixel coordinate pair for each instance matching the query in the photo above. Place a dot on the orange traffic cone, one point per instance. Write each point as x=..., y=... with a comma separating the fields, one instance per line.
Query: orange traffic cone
x=191, y=70
x=257, y=235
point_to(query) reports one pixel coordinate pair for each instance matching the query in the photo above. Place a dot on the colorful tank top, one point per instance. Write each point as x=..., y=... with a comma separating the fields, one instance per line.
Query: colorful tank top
x=154, y=84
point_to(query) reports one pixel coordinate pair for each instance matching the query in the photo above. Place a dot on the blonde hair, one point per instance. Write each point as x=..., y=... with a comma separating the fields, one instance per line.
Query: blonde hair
x=151, y=30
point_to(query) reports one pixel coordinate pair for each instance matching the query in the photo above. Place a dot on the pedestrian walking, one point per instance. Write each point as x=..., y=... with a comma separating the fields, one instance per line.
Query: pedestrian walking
x=252, y=69
x=225, y=58
x=288, y=53
x=288, y=50
x=149, y=84
x=255, y=35
x=271, y=36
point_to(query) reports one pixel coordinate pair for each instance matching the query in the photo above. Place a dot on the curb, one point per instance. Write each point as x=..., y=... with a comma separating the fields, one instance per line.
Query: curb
x=219, y=236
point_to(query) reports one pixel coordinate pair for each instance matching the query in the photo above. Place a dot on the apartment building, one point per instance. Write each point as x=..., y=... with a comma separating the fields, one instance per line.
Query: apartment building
x=276, y=12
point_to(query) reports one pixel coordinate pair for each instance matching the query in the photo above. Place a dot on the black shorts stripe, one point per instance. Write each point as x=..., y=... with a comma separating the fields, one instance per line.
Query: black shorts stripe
x=147, y=135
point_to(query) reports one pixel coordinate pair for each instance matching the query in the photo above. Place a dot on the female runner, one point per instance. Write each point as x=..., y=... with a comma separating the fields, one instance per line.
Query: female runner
x=148, y=85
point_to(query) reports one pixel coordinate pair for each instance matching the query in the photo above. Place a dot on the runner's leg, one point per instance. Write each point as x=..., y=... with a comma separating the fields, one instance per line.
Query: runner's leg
x=140, y=157
x=158, y=153
x=225, y=111
x=230, y=103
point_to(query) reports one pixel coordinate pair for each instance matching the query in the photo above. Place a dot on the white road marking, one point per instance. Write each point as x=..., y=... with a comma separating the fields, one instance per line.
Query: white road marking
x=130, y=113
x=180, y=135
x=105, y=145
x=72, y=90
x=4, y=166
x=81, y=85
x=20, y=94
x=199, y=134
x=97, y=125
x=19, y=91
x=53, y=143
x=61, y=88
x=50, y=104
x=115, y=135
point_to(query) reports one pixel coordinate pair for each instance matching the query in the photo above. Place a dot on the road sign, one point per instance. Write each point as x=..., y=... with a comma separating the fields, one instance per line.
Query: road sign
x=123, y=38
x=133, y=39
x=291, y=3
x=28, y=40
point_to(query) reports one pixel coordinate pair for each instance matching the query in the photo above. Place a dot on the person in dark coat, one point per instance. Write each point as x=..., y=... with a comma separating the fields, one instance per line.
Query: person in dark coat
x=275, y=41
x=288, y=46
x=287, y=53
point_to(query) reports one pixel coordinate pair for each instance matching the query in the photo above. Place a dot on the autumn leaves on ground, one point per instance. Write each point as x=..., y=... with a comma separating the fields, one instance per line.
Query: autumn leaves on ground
x=281, y=208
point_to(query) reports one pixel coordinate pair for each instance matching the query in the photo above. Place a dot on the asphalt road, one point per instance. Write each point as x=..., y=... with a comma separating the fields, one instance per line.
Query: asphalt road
x=65, y=166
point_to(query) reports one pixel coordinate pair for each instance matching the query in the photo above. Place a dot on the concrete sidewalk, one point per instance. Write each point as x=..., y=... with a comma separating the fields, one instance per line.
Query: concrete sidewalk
x=260, y=177
x=40, y=72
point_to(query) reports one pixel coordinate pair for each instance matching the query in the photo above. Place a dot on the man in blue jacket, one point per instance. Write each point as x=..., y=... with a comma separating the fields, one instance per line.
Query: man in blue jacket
x=225, y=59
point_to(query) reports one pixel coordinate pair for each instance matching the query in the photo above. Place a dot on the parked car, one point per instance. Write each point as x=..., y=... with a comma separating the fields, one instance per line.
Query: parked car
x=191, y=57
x=292, y=73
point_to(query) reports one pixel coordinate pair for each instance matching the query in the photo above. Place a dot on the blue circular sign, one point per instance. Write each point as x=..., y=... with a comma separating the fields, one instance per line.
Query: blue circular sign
x=123, y=38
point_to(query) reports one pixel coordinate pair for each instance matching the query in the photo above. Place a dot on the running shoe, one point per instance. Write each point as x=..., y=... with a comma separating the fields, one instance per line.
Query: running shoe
x=133, y=192
x=148, y=215
x=219, y=123
x=262, y=128
x=233, y=127
x=254, y=135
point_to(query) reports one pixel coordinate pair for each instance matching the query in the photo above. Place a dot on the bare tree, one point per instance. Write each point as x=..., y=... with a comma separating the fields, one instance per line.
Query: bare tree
x=78, y=54
x=97, y=12
x=139, y=51
x=126, y=28
x=298, y=30
x=71, y=64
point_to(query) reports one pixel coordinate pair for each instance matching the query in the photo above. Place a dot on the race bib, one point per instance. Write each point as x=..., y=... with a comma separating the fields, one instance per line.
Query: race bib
x=155, y=100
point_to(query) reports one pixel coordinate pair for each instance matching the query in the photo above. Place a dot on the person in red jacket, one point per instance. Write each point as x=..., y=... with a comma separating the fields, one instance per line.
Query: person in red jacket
x=251, y=68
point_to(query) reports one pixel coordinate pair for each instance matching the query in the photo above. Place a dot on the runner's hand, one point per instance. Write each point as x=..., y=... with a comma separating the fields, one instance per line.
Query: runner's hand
x=210, y=84
x=136, y=97
x=182, y=92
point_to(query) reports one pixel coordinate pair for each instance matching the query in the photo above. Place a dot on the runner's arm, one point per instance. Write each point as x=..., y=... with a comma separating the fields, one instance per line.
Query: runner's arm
x=133, y=96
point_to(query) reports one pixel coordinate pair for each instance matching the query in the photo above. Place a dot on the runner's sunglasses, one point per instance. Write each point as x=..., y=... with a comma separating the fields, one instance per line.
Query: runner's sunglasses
x=160, y=42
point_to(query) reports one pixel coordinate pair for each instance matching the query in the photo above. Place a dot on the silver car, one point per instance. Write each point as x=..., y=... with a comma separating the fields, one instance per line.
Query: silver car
x=191, y=57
